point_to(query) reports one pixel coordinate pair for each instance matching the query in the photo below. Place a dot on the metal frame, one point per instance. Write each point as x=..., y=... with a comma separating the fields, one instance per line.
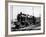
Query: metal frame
x=6, y=17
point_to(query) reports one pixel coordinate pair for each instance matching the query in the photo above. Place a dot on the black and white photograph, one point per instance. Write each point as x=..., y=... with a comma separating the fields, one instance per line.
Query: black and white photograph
x=24, y=18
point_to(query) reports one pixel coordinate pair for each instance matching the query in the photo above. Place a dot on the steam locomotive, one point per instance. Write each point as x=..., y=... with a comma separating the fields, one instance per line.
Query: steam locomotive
x=24, y=20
